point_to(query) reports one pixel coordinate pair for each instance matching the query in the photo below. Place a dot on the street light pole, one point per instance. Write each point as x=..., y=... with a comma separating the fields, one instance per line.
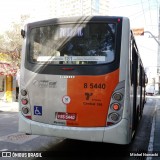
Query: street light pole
x=157, y=57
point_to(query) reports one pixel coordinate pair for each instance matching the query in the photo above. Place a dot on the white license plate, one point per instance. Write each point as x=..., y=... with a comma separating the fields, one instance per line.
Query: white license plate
x=65, y=116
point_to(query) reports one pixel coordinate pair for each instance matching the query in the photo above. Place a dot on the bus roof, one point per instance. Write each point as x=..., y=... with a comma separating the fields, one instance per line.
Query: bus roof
x=78, y=19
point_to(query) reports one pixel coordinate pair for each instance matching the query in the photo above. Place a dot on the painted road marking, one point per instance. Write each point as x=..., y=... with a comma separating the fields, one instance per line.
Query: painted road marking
x=3, y=150
x=151, y=141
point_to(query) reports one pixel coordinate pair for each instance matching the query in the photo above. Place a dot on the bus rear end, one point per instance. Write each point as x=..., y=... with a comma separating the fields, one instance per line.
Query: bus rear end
x=70, y=79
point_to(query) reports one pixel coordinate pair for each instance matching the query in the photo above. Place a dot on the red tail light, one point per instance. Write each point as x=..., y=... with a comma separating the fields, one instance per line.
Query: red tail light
x=24, y=101
x=115, y=111
x=28, y=117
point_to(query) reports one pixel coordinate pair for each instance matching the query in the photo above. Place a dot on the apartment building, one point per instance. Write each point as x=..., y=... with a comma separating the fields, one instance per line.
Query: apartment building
x=63, y=8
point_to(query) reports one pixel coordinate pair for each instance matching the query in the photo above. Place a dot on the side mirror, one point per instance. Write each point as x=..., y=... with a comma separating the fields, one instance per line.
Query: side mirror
x=22, y=33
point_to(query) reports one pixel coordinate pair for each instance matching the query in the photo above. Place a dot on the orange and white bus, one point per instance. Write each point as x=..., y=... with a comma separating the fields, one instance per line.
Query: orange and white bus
x=81, y=78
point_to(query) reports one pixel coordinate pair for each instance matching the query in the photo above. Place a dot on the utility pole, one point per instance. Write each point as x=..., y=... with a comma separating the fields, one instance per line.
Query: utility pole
x=158, y=53
x=157, y=79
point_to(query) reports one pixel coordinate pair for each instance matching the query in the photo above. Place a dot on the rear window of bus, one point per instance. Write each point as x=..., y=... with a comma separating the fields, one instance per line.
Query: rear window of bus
x=78, y=44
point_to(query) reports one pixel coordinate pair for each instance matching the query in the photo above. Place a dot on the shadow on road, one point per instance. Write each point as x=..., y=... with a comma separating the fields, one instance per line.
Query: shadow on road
x=75, y=149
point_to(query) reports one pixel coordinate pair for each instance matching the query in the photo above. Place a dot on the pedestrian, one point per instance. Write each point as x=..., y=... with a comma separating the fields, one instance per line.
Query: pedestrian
x=17, y=84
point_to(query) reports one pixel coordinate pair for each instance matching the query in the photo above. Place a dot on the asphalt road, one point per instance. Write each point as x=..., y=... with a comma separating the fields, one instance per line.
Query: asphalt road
x=73, y=149
x=11, y=140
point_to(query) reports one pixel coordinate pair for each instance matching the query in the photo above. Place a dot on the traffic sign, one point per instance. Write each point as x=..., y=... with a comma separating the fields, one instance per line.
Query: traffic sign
x=138, y=31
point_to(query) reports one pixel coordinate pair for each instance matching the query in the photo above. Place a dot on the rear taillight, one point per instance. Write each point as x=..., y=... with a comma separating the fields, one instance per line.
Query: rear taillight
x=114, y=116
x=24, y=101
x=23, y=92
x=116, y=105
x=117, y=96
x=25, y=108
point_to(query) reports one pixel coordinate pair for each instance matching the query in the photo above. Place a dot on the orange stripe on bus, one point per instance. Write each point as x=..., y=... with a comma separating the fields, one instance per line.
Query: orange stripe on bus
x=90, y=98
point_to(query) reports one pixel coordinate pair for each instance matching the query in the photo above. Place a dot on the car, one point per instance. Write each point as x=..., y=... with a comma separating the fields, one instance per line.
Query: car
x=150, y=90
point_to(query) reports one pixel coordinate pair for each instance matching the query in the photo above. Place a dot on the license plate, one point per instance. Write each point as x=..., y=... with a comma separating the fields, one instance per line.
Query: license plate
x=65, y=116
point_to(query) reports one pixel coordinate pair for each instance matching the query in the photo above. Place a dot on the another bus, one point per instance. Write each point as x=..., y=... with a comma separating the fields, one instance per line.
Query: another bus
x=81, y=78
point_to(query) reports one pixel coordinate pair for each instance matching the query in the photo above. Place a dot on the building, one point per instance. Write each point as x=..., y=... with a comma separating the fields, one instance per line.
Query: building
x=158, y=58
x=7, y=78
x=62, y=8
x=158, y=54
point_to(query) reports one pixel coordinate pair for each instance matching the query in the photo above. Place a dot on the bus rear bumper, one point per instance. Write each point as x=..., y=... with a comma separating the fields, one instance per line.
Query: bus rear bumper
x=113, y=134
x=119, y=133
x=79, y=133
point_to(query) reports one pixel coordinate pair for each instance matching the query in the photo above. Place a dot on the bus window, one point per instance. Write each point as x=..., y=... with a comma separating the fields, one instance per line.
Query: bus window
x=73, y=44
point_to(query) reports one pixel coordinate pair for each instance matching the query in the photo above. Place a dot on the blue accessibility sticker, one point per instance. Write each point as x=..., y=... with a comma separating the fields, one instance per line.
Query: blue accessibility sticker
x=38, y=110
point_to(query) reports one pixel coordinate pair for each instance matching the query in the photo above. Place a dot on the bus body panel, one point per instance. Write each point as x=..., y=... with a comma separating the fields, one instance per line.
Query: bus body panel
x=90, y=98
x=88, y=134
x=114, y=134
x=43, y=86
x=126, y=76
x=77, y=106
x=119, y=133
x=71, y=100
x=125, y=38
x=24, y=125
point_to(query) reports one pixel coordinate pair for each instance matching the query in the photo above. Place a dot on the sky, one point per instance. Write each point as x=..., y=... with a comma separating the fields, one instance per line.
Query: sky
x=11, y=11
x=142, y=14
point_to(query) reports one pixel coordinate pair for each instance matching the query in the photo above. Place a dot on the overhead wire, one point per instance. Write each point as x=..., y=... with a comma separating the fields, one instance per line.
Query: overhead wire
x=158, y=15
x=129, y=5
x=147, y=7
x=150, y=10
x=152, y=50
x=143, y=12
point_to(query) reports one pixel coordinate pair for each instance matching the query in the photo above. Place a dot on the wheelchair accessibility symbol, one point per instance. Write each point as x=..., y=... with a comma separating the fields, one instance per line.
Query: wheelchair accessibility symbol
x=38, y=110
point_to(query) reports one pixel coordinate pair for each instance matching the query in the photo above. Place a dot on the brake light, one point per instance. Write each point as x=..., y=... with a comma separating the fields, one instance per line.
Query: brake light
x=109, y=123
x=116, y=107
x=29, y=117
x=115, y=111
x=119, y=20
x=25, y=107
x=24, y=101
x=68, y=69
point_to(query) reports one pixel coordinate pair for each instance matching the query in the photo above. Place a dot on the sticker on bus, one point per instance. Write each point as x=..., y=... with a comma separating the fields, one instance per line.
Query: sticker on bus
x=71, y=58
x=66, y=99
x=38, y=110
x=65, y=116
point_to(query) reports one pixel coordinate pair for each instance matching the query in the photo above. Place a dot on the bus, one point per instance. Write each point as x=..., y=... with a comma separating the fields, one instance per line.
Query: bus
x=81, y=78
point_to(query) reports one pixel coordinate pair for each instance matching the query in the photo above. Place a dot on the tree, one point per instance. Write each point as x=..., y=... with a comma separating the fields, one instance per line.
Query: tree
x=11, y=42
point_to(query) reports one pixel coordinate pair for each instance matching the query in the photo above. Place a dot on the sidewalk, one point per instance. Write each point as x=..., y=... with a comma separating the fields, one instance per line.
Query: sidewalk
x=9, y=107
